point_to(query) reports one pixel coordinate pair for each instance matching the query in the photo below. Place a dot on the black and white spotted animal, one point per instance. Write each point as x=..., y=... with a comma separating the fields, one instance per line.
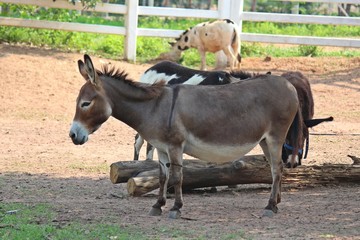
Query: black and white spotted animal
x=212, y=37
x=173, y=73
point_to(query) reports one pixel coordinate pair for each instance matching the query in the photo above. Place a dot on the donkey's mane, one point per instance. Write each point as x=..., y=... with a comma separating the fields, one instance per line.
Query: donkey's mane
x=120, y=75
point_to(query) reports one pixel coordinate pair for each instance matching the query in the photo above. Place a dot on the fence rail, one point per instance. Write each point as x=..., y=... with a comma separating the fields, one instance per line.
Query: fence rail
x=232, y=9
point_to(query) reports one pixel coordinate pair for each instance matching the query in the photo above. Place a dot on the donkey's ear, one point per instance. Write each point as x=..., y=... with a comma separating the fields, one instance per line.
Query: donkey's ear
x=90, y=70
x=82, y=70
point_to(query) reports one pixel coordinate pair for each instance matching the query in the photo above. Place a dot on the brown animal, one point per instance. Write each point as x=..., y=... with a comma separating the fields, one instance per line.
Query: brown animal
x=178, y=119
x=302, y=85
x=303, y=89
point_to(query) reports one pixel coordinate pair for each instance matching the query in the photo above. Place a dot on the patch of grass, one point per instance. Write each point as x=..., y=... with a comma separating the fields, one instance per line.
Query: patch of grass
x=236, y=235
x=150, y=48
x=309, y=50
x=318, y=30
x=192, y=58
x=37, y=222
x=168, y=23
x=20, y=221
x=176, y=233
x=261, y=50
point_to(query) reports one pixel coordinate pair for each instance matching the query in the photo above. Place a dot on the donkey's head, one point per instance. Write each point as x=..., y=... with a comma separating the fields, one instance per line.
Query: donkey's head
x=92, y=105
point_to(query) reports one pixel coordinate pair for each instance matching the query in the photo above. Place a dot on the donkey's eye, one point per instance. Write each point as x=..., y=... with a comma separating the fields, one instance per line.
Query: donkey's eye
x=85, y=104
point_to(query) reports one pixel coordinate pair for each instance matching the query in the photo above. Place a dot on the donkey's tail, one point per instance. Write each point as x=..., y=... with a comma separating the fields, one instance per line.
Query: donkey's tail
x=313, y=122
x=296, y=132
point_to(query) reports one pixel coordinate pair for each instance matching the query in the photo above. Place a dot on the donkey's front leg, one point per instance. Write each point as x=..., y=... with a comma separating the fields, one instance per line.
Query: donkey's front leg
x=176, y=179
x=163, y=180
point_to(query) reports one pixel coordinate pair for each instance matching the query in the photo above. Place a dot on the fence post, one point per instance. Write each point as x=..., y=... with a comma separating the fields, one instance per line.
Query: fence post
x=224, y=9
x=236, y=12
x=131, y=23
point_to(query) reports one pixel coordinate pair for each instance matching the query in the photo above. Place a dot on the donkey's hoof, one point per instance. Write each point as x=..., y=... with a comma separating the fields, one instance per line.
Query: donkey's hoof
x=174, y=214
x=155, y=212
x=268, y=213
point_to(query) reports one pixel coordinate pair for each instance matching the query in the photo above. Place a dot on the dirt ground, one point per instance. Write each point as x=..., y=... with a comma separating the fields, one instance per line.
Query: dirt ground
x=40, y=164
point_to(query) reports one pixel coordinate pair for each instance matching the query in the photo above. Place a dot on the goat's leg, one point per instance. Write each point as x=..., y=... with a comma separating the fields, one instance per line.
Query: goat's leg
x=236, y=50
x=139, y=141
x=203, y=59
x=163, y=180
x=272, y=151
x=230, y=56
x=176, y=178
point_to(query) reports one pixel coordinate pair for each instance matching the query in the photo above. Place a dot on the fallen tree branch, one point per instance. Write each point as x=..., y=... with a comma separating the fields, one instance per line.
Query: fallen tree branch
x=142, y=176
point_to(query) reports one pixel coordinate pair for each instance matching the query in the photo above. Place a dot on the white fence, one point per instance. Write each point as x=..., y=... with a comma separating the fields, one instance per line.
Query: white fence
x=231, y=9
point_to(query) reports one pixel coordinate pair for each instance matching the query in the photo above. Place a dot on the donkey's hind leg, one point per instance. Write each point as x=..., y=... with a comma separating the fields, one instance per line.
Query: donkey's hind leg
x=163, y=180
x=176, y=178
x=272, y=150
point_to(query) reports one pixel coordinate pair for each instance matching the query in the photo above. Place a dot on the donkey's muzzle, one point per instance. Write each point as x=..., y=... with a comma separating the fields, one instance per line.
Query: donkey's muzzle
x=78, y=134
x=76, y=139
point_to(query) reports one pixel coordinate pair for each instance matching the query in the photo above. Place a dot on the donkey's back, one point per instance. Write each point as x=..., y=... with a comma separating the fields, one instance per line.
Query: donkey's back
x=222, y=123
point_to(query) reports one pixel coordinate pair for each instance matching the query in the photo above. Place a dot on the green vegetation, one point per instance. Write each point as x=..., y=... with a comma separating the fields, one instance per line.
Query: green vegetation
x=19, y=221
x=112, y=46
x=22, y=221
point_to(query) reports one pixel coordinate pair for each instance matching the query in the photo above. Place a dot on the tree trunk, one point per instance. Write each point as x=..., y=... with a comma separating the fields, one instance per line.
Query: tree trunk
x=142, y=176
x=253, y=6
x=348, y=8
x=344, y=9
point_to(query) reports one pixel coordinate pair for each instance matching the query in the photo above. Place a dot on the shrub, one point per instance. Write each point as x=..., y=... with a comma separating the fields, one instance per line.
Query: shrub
x=309, y=50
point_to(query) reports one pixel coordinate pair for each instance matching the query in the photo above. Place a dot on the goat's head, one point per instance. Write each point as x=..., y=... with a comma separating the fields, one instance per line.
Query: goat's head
x=182, y=43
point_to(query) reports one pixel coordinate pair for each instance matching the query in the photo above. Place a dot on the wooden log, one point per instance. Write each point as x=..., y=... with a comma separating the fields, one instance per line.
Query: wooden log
x=325, y=174
x=142, y=176
x=137, y=186
x=120, y=172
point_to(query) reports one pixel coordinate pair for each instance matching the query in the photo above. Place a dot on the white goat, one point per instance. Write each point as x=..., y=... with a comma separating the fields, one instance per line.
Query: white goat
x=212, y=37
